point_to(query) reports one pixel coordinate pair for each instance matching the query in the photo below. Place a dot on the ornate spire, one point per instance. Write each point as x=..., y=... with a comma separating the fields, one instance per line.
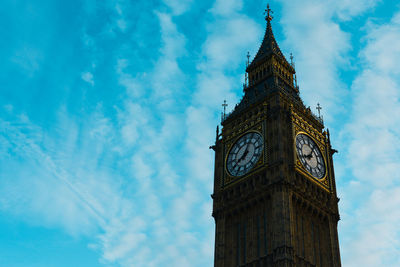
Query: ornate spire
x=269, y=45
x=269, y=71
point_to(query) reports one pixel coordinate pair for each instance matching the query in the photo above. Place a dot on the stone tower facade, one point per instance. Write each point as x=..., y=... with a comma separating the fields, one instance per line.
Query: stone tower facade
x=274, y=199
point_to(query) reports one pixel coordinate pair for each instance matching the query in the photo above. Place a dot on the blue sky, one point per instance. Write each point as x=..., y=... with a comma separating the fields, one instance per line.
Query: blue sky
x=107, y=110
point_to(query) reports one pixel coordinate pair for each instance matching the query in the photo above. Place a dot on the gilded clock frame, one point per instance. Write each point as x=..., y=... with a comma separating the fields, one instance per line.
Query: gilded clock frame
x=319, y=140
x=322, y=150
x=230, y=179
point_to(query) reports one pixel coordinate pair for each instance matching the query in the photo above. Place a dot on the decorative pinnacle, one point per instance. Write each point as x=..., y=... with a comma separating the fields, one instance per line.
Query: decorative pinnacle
x=291, y=59
x=319, y=110
x=224, y=105
x=268, y=11
x=246, y=77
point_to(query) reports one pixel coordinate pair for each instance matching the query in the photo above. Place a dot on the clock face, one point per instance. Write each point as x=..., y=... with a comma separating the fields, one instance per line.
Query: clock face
x=310, y=156
x=244, y=154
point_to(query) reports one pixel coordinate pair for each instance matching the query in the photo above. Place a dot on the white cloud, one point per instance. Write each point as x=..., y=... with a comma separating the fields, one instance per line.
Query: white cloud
x=122, y=24
x=151, y=134
x=346, y=9
x=230, y=35
x=120, y=20
x=226, y=7
x=373, y=152
x=369, y=159
x=123, y=237
x=133, y=119
x=88, y=77
x=28, y=58
x=132, y=85
x=227, y=42
x=113, y=175
x=73, y=202
x=178, y=7
x=167, y=77
x=320, y=49
x=87, y=195
x=9, y=108
x=377, y=236
x=383, y=54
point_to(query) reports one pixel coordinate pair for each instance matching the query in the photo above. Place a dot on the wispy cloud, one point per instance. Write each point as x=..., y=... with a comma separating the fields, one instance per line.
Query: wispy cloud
x=29, y=59
x=151, y=129
x=319, y=47
x=178, y=7
x=230, y=34
x=36, y=162
x=369, y=143
x=373, y=154
x=88, y=77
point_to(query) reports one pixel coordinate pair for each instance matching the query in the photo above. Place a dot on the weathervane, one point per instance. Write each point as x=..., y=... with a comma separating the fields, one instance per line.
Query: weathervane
x=268, y=11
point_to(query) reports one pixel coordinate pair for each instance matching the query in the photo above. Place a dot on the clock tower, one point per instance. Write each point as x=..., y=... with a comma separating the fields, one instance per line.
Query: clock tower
x=274, y=199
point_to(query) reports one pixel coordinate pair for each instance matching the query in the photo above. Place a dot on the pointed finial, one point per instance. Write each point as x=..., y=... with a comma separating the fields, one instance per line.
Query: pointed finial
x=269, y=12
x=224, y=114
x=291, y=60
x=319, y=110
x=246, y=77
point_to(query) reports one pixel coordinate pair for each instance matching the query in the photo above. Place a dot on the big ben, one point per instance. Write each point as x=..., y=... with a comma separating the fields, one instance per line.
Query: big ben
x=274, y=199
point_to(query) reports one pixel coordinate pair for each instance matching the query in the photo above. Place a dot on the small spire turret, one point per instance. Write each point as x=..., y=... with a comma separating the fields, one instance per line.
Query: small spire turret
x=267, y=71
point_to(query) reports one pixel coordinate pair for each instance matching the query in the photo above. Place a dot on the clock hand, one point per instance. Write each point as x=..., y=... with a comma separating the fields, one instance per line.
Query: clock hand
x=308, y=156
x=244, y=154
